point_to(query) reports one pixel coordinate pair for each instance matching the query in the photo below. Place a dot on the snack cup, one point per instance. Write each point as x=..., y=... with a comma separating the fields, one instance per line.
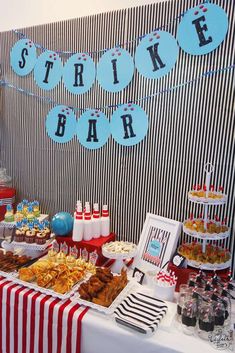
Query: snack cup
x=163, y=292
x=149, y=278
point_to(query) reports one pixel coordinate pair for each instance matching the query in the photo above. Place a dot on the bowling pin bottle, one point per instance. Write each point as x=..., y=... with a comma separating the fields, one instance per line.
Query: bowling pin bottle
x=105, y=222
x=87, y=224
x=78, y=225
x=96, y=224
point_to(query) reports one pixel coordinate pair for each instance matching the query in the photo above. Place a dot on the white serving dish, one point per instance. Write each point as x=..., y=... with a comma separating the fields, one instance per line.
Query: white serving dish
x=207, y=201
x=110, y=310
x=209, y=266
x=207, y=236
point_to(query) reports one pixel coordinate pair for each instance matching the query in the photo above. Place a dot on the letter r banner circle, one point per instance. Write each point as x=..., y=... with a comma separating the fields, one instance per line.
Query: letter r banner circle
x=129, y=124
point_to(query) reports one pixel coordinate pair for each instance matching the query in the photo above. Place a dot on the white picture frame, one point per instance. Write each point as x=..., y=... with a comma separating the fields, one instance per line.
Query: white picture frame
x=158, y=242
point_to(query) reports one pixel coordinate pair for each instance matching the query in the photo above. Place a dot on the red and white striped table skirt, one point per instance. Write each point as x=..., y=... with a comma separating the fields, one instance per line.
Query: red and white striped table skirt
x=32, y=322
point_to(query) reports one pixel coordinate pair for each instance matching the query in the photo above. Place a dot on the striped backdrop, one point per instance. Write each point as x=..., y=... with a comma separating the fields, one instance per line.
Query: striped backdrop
x=187, y=127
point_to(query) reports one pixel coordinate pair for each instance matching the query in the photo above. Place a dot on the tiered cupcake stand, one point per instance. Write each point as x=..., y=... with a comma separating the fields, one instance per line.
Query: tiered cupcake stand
x=205, y=237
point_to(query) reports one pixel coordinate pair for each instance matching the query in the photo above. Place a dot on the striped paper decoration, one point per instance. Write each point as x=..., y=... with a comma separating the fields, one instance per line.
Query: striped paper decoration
x=187, y=127
x=141, y=312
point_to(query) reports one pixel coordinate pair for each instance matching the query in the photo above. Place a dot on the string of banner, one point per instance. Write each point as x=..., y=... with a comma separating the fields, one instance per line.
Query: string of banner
x=201, y=30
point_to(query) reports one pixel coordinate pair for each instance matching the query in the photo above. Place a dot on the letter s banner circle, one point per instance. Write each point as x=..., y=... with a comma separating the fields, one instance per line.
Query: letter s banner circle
x=23, y=57
x=202, y=29
x=93, y=129
x=129, y=124
x=61, y=124
x=156, y=54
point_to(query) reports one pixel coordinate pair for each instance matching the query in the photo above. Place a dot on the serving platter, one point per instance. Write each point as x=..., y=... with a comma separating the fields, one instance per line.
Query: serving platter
x=47, y=291
x=209, y=266
x=106, y=310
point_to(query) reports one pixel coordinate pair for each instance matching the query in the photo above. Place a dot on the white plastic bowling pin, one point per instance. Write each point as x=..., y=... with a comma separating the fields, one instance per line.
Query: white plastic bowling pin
x=96, y=223
x=78, y=225
x=87, y=224
x=105, y=222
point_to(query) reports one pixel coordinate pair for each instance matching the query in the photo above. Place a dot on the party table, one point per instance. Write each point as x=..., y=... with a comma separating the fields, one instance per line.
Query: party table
x=32, y=322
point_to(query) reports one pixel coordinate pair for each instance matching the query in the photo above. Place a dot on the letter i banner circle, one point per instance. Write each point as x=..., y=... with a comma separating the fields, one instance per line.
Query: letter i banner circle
x=129, y=124
x=202, y=29
x=79, y=73
x=115, y=70
x=156, y=54
x=61, y=124
x=93, y=129
x=23, y=57
x=48, y=70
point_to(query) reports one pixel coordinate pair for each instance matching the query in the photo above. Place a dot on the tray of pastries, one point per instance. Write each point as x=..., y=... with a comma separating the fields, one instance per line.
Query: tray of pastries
x=210, y=230
x=55, y=274
x=214, y=257
x=104, y=290
x=11, y=262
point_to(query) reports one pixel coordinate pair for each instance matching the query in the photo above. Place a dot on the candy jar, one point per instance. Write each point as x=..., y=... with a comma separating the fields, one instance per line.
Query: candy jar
x=206, y=319
x=189, y=316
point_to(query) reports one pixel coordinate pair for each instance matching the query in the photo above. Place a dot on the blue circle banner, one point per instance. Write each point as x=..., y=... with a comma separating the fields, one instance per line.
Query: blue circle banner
x=93, y=129
x=202, y=29
x=129, y=124
x=79, y=73
x=156, y=54
x=23, y=57
x=115, y=70
x=61, y=124
x=48, y=70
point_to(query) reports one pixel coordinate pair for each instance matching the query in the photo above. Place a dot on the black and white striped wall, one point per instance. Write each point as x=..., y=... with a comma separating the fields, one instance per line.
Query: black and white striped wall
x=187, y=127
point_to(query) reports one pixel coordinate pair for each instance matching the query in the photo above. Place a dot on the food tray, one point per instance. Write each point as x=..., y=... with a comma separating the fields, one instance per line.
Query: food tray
x=209, y=266
x=33, y=246
x=14, y=278
x=110, y=310
x=207, y=236
x=207, y=201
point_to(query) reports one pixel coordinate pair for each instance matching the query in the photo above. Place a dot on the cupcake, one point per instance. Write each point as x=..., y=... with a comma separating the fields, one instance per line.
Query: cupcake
x=47, y=233
x=40, y=238
x=19, y=235
x=30, y=236
x=52, y=254
x=60, y=258
x=70, y=261
x=46, y=229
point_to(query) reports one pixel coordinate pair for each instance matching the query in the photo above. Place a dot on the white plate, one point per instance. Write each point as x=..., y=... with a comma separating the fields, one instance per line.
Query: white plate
x=115, y=303
x=209, y=266
x=207, y=236
x=207, y=201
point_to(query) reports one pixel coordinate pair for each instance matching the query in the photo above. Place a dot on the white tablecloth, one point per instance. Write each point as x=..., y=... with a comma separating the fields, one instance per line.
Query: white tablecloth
x=101, y=334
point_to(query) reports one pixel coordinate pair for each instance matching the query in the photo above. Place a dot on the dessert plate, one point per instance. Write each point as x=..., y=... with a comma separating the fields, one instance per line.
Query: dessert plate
x=141, y=313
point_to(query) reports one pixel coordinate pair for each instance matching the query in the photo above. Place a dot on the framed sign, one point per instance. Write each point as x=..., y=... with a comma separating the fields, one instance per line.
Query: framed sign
x=157, y=242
